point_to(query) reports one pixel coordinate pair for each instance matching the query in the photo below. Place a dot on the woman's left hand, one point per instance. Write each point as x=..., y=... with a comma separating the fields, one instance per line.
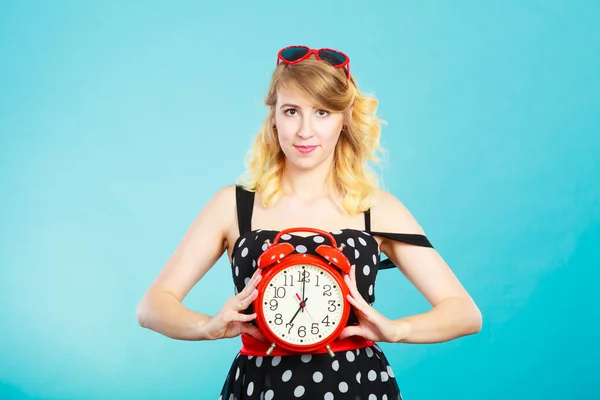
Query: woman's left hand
x=372, y=325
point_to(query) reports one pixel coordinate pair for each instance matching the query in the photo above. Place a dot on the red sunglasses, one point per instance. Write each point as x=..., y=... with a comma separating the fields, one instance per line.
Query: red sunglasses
x=296, y=54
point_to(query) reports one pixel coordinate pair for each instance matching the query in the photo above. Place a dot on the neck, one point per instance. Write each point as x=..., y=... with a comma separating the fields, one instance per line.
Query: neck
x=307, y=184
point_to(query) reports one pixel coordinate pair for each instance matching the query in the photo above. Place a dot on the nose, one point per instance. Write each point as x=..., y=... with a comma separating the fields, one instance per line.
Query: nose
x=305, y=129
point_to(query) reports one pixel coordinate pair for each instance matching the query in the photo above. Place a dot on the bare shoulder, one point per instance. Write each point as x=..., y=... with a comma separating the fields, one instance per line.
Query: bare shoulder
x=389, y=214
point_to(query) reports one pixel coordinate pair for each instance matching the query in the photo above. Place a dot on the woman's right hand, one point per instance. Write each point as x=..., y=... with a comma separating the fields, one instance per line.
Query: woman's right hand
x=230, y=321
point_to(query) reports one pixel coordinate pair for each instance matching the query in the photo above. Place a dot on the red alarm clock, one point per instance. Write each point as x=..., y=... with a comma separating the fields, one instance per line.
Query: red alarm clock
x=302, y=305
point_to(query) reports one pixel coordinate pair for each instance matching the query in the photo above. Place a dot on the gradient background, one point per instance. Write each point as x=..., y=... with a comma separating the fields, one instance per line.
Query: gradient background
x=119, y=120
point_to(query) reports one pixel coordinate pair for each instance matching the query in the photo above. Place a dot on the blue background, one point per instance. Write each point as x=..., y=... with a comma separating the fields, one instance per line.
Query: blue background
x=119, y=120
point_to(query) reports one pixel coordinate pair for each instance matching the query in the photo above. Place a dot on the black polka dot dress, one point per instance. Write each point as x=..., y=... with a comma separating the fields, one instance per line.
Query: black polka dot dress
x=355, y=374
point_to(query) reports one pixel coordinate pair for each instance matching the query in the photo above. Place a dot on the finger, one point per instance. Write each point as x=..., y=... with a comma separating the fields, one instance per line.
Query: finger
x=252, y=284
x=358, y=305
x=239, y=317
x=353, y=330
x=253, y=331
x=354, y=290
x=245, y=302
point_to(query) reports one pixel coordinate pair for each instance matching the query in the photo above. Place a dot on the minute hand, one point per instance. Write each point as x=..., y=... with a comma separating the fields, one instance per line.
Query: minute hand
x=297, y=311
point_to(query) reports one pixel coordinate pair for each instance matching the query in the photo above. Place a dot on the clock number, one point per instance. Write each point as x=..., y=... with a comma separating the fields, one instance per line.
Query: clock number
x=326, y=321
x=291, y=326
x=273, y=304
x=291, y=280
x=315, y=328
x=302, y=331
x=327, y=291
x=278, y=319
x=331, y=305
x=303, y=276
x=317, y=276
x=279, y=292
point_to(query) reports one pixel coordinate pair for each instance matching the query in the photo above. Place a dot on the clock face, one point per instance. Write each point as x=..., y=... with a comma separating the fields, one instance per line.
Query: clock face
x=303, y=304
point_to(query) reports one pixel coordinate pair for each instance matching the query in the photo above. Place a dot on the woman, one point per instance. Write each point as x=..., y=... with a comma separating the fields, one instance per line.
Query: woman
x=308, y=168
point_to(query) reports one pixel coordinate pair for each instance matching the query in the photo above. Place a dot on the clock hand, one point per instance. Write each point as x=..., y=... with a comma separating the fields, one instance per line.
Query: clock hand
x=297, y=311
x=303, y=287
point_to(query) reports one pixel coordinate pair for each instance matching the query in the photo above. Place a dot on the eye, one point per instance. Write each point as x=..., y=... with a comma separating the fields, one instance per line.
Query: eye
x=290, y=111
x=322, y=113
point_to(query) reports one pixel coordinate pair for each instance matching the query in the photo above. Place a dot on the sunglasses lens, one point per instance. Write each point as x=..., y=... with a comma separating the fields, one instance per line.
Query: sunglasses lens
x=294, y=53
x=332, y=58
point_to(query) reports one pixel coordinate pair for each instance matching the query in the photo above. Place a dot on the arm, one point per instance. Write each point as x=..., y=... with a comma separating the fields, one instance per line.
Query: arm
x=203, y=244
x=454, y=313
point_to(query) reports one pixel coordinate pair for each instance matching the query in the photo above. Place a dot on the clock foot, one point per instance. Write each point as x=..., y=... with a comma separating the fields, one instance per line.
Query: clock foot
x=331, y=353
x=270, y=350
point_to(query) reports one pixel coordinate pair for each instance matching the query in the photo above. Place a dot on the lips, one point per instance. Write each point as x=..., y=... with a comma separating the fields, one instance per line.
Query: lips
x=305, y=149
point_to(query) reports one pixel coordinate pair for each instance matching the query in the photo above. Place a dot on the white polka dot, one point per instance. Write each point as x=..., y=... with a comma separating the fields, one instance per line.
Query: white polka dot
x=372, y=397
x=328, y=396
x=301, y=248
x=335, y=365
x=250, y=388
x=237, y=271
x=371, y=290
x=259, y=361
x=362, y=241
x=350, y=242
x=372, y=375
x=306, y=358
x=287, y=375
x=357, y=352
x=319, y=239
x=299, y=391
x=338, y=232
x=369, y=352
x=262, y=396
x=366, y=270
x=245, y=252
x=350, y=356
x=317, y=377
x=374, y=259
x=358, y=377
x=384, y=376
x=242, y=242
x=390, y=372
x=264, y=247
x=384, y=397
x=237, y=374
x=250, y=357
x=231, y=396
x=343, y=386
x=276, y=360
x=269, y=395
x=286, y=237
x=377, y=348
x=356, y=253
x=253, y=263
x=246, y=281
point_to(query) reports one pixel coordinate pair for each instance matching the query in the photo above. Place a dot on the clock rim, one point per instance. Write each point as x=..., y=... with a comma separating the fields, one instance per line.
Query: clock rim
x=274, y=270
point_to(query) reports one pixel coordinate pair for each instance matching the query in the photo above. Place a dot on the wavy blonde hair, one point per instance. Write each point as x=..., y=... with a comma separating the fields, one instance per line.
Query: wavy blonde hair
x=358, y=144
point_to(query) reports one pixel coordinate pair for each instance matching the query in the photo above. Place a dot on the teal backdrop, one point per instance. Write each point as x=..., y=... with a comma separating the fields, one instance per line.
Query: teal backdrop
x=120, y=119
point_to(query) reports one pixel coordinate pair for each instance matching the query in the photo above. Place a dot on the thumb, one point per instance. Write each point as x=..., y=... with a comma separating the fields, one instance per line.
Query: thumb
x=353, y=330
x=253, y=331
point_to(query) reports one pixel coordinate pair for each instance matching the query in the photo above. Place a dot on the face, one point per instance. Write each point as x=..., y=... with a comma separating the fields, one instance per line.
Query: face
x=307, y=135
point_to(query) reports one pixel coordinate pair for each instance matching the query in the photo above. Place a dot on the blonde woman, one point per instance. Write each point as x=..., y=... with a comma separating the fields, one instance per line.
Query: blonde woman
x=308, y=167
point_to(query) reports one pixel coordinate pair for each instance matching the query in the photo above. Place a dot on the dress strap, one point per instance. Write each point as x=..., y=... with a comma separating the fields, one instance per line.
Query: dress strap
x=244, y=200
x=409, y=238
x=368, y=220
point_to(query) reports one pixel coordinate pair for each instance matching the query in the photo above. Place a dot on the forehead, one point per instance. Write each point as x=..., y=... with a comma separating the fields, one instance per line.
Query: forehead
x=291, y=96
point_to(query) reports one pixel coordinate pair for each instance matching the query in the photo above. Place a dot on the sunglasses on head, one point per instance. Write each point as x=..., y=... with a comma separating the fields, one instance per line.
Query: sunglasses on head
x=295, y=54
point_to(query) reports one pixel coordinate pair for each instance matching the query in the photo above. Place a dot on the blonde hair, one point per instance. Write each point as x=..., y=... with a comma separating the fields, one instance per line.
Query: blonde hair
x=330, y=90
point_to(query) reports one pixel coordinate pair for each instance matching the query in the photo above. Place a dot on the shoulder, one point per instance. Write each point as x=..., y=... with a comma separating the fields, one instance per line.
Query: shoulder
x=220, y=207
x=389, y=214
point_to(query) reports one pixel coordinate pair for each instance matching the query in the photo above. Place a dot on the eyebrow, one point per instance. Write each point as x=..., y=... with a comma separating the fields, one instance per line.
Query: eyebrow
x=289, y=105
